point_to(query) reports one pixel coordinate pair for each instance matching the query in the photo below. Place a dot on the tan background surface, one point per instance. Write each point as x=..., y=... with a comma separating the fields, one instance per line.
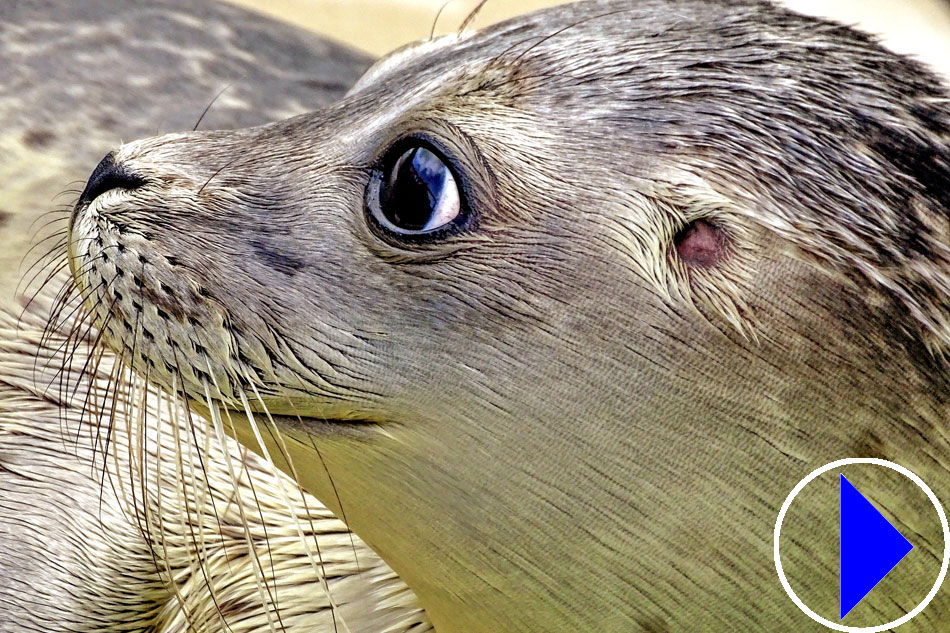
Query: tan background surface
x=921, y=27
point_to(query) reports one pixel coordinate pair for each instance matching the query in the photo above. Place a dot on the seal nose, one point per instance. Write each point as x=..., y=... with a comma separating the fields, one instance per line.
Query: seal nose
x=108, y=175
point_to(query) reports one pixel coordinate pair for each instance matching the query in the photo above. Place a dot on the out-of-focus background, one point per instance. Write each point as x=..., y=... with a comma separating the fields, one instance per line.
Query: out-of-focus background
x=919, y=27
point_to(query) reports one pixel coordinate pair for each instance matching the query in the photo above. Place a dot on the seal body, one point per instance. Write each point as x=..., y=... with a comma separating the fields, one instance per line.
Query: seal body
x=116, y=514
x=694, y=250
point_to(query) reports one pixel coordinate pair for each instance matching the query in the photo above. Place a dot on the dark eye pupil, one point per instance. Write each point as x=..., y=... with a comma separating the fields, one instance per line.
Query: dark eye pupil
x=411, y=193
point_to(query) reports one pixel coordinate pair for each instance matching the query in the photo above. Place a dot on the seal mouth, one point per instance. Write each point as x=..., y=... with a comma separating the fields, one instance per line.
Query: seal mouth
x=309, y=425
x=327, y=426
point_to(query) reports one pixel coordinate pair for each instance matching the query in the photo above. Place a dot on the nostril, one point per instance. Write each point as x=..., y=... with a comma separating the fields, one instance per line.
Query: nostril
x=108, y=175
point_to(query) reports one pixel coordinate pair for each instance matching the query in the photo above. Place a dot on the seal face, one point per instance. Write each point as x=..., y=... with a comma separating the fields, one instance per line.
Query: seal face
x=555, y=314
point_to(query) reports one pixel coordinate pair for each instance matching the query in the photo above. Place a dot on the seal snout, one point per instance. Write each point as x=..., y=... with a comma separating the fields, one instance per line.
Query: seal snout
x=108, y=175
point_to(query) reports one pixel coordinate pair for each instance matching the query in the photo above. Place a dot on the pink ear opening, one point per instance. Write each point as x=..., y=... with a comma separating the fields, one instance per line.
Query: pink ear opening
x=700, y=243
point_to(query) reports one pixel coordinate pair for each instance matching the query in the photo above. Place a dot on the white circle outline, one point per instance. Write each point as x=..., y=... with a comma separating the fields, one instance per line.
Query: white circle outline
x=848, y=462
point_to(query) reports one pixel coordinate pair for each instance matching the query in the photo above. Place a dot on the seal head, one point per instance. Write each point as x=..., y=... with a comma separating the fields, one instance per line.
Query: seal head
x=556, y=314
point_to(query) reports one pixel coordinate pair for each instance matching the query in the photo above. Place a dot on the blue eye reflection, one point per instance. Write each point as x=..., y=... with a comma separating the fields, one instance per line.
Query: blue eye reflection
x=418, y=194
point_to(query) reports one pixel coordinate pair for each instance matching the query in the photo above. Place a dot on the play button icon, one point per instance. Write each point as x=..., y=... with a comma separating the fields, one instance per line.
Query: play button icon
x=870, y=546
x=866, y=546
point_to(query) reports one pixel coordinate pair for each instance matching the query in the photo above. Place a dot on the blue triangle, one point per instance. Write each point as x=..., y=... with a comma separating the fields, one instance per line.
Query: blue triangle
x=870, y=547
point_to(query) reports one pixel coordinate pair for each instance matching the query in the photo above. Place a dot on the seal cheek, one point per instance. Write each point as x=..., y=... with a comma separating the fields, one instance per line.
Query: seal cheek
x=700, y=243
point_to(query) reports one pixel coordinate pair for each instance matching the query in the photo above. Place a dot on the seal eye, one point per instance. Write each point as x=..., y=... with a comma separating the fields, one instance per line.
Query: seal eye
x=417, y=194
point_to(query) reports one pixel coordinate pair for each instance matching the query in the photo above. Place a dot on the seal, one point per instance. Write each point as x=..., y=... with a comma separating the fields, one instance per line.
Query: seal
x=555, y=314
x=115, y=514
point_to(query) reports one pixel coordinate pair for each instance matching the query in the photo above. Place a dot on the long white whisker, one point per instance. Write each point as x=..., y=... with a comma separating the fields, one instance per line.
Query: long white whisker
x=215, y=413
x=320, y=569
